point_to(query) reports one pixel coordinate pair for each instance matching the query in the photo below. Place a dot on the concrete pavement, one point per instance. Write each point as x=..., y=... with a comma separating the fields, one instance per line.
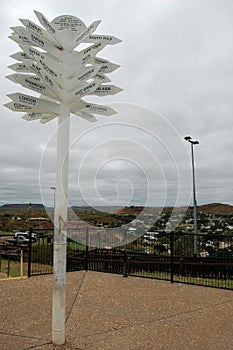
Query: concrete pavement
x=109, y=312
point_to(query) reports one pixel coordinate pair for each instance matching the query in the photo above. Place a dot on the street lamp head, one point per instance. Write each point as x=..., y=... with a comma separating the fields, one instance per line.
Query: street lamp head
x=187, y=138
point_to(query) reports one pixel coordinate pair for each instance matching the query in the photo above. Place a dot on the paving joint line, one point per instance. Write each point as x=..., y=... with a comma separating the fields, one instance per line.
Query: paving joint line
x=20, y=336
x=75, y=298
x=156, y=320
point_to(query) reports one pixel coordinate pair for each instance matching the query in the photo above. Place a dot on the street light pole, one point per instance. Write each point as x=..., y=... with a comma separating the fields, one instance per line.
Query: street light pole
x=192, y=142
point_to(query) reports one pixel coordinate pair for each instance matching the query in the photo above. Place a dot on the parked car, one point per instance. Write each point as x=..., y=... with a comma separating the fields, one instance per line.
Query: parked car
x=22, y=239
x=24, y=236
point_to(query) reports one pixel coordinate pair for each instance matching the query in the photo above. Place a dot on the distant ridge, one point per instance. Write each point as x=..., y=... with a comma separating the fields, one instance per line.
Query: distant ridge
x=21, y=206
x=212, y=208
x=216, y=208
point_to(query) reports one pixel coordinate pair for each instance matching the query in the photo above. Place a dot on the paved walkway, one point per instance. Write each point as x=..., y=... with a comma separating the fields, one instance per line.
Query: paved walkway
x=109, y=312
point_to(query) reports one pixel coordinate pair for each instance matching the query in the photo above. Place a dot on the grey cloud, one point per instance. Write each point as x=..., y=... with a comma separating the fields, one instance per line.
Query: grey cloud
x=176, y=59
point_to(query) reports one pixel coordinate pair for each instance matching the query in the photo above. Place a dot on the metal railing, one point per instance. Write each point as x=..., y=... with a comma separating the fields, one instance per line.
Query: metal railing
x=167, y=256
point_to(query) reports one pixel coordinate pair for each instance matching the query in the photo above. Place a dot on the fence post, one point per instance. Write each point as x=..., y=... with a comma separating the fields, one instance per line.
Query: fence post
x=30, y=252
x=21, y=262
x=87, y=249
x=8, y=265
x=125, y=266
x=172, y=256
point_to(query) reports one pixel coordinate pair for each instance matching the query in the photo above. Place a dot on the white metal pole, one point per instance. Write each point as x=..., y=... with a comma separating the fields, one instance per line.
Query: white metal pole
x=60, y=228
x=21, y=263
x=194, y=204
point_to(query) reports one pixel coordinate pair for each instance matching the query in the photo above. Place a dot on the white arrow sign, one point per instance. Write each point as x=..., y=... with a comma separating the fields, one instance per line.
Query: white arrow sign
x=104, y=90
x=46, y=24
x=33, y=83
x=107, y=39
x=19, y=39
x=106, y=66
x=49, y=70
x=47, y=119
x=83, y=90
x=38, y=30
x=91, y=107
x=40, y=41
x=34, y=53
x=38, y=115
x=19, y=67
x=51, y=83
x=19, y=30
x=98, y=109
x=87, y=116
x=20, y=56
x=31, y=101
x=31, y=67
x=81, y=76
x=86, y=33
x=20, y=107
x=102, y=77
x=81, y=58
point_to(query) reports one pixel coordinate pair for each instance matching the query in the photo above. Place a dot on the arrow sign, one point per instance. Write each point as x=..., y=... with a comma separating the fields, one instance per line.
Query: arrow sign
x=26, y=66
x=86, y=33
x=102, y=78
x=38, y=103
x=46, y=24
x=19, y=39
x=37, y=115
x=18, y=30
x=81, y=76
x=87, y=116
x=85, y=56
x=40, y=31
x=47, y=119
x=20, y=56
x=19, y=67
x=104, y=90
x=83, y=106
x=32, y=116
x=52, y=85
x=32, y=53
x=33, y=83
x=107, y=39
x=98, y=109
x=41, y=63
x=20, y=107
x=106, y=66
x=85, y=89
x=38, y=40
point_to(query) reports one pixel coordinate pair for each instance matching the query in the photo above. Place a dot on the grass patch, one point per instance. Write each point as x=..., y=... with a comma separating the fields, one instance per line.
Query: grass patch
x=13, y=269
x=209, y=282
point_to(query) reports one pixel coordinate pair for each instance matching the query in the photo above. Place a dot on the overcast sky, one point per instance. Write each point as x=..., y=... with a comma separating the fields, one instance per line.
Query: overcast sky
x=176, y=60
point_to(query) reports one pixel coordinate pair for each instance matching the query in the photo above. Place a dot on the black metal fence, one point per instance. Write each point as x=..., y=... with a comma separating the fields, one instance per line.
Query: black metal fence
x=161, y=255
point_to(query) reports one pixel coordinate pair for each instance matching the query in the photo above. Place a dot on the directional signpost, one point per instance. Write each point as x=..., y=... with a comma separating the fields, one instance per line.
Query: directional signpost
x=49, y=65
